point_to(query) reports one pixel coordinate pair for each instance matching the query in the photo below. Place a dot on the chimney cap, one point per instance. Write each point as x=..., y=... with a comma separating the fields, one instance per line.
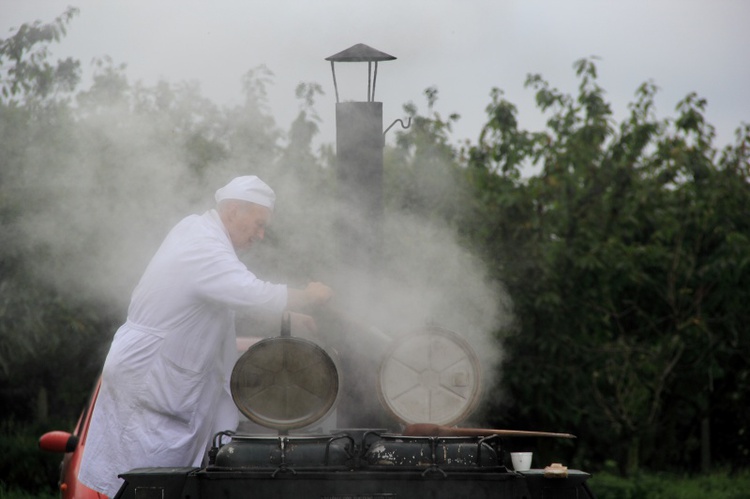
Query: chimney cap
x=360, y=53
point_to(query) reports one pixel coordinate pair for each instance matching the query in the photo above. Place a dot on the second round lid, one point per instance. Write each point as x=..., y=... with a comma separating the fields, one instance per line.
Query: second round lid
x=431, y=376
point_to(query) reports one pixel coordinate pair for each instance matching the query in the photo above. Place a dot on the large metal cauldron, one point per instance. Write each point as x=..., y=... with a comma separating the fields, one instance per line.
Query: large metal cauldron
x=434, y=453
x=368, y=451
x=282, y=453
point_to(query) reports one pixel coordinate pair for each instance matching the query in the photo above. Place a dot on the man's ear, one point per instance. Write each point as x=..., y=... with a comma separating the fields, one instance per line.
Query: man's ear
x=232, y=211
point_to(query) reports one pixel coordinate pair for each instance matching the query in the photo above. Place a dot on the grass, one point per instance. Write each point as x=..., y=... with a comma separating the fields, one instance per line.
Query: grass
x=716, y=485
x=15, y=493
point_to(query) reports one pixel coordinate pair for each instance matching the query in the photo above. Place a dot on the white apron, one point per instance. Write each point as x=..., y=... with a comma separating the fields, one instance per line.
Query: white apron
x=165, y=382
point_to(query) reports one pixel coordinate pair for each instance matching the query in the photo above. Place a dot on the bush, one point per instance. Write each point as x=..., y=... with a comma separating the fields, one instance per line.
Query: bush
x=23, y=466
x=716, y=485
x=15, y=493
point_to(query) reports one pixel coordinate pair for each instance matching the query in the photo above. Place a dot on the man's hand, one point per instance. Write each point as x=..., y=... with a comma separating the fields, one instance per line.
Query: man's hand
x=302, y=322
x=317, y=293
x=314, y=294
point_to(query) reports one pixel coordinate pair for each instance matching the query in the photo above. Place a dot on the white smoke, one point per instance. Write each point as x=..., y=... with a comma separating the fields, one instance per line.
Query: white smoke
x=112, y=193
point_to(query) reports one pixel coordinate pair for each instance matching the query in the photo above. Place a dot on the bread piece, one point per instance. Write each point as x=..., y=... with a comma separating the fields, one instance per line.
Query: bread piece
x=556, y=470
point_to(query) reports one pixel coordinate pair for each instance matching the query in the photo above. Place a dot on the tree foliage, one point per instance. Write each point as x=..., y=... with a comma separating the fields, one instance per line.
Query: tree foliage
x=25, y=72
x=624, y=246
x=627, y=261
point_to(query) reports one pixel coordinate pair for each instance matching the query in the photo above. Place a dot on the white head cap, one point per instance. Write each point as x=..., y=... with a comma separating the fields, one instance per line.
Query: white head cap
x=247, y=188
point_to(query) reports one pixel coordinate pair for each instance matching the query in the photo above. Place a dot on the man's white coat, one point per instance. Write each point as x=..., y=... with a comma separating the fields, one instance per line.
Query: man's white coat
x=165, y=383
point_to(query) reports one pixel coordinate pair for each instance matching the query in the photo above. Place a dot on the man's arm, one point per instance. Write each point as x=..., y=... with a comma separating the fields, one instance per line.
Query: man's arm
x=314, y=294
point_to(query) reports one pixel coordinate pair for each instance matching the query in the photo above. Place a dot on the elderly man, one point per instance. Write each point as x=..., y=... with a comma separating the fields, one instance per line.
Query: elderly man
x=165, y=383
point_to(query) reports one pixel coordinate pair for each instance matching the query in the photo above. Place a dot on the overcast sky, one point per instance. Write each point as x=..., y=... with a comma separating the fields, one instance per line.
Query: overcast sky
x=462, y=47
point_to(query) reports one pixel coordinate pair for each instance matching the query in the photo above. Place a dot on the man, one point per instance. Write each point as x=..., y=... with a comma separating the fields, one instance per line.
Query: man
x=165, y=383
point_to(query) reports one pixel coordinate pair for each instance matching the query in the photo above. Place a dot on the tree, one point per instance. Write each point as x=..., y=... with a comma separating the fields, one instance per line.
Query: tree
x=25, y=72
x=422, y=176
x=612, y=255
x=35, y=321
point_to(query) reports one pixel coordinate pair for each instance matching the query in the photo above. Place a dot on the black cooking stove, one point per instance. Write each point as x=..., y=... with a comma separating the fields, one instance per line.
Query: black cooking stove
x=288, y=384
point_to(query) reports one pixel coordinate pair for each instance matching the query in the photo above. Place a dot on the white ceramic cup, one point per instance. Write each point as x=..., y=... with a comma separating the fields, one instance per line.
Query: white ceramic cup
x=521, y=460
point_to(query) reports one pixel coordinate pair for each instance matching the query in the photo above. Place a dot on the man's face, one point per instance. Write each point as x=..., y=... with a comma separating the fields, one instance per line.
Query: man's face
x=248, y=224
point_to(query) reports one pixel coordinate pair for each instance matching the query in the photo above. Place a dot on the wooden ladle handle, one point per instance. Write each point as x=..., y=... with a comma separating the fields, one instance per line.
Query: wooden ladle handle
x=435, y=430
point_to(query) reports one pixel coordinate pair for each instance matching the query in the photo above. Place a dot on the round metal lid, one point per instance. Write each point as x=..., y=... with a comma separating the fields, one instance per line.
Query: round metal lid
x=284, y=383
x=432, y=376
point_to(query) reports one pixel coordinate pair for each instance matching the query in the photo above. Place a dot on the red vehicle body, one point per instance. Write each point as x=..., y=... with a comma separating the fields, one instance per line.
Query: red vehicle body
x=72, y=444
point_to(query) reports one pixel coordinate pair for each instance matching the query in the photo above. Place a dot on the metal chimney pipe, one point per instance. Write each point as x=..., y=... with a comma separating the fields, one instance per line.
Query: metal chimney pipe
x=359, y=165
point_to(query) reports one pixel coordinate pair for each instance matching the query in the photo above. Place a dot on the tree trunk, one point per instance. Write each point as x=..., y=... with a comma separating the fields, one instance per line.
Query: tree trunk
x=42, y=405
x=633, y=456
x=706, y=444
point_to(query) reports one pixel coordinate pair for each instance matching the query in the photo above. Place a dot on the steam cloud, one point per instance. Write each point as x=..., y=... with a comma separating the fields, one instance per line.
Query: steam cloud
x=115, y=193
